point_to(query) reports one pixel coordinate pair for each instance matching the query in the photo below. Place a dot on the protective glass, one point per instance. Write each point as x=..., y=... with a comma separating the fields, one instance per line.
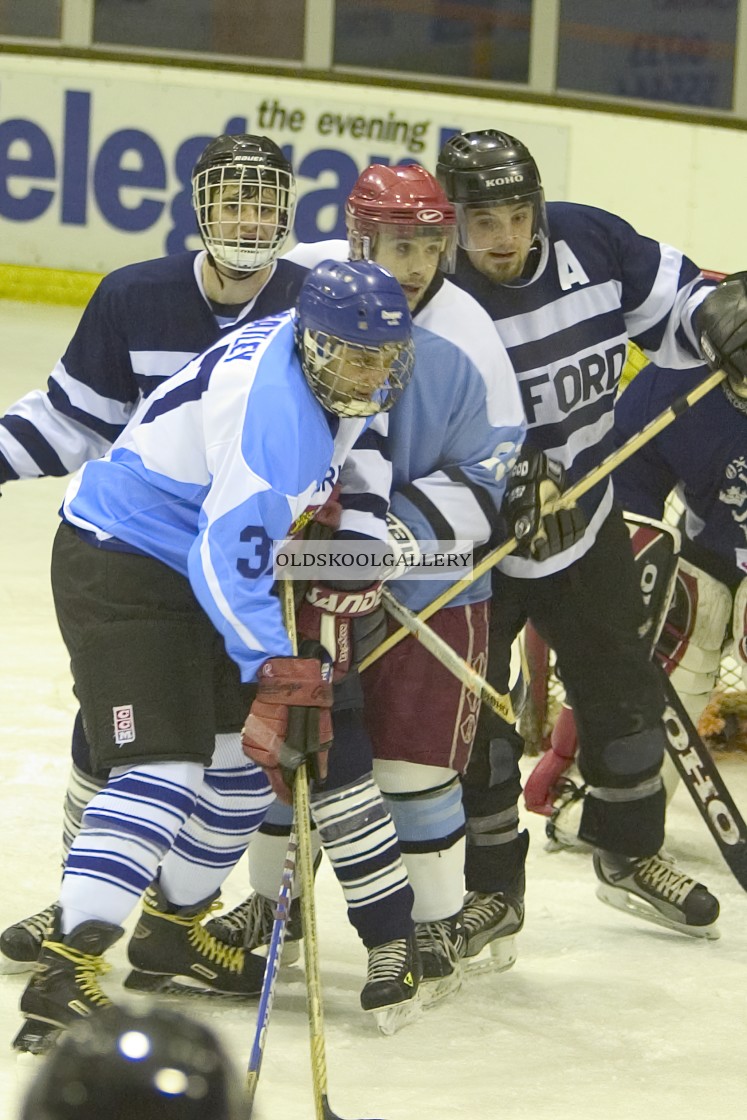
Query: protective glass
x=497, y=223
x=364, y=232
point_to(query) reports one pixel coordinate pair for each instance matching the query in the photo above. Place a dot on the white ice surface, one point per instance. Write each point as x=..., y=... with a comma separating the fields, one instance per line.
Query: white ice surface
x=603, y=1017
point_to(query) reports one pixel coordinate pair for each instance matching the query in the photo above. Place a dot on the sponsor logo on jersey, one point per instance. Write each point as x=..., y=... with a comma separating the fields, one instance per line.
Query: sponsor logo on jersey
x=124, y=724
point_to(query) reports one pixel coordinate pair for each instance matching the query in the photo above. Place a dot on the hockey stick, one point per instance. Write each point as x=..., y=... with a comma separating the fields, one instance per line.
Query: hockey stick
x=612, y=461
x=272, y=968
x=704, y=783
x=449, y=658
x=302, y=827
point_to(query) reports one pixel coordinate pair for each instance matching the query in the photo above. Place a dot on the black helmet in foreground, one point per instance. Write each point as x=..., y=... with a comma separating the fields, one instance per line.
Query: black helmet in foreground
x=135, y=1065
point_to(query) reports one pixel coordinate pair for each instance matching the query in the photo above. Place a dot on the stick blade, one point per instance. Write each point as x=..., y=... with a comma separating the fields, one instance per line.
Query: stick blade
x=327, y=1112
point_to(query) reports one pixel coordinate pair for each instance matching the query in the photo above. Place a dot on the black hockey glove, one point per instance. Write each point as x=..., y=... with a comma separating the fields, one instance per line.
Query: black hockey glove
x=721, y=323
x=533, y=482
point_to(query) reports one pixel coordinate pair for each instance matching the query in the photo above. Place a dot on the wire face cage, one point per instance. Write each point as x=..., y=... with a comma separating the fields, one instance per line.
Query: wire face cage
x=244, y=213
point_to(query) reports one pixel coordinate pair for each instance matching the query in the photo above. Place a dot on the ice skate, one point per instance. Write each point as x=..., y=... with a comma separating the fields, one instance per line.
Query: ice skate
x=20, y=944
x=654, y=889
x=491, y=921
x=65, y=984
x=172, y=953
x=441, y=945
x=391, y=989
x=249, y=926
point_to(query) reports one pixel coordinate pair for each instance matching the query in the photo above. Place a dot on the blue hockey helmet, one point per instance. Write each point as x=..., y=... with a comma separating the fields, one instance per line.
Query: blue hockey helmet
x=354, y=337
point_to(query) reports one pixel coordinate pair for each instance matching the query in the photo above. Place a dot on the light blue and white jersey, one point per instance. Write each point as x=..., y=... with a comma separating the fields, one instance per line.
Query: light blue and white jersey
x=597, y=284
x=222, y=459
x=451, y=438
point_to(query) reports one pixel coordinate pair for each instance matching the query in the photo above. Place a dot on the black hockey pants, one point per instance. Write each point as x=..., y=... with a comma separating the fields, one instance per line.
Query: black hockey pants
x=589, y=613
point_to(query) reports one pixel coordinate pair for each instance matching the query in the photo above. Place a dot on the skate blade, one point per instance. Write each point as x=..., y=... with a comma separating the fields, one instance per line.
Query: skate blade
x=501, y=956
x=290, y=955
x=439, y=988
x=36, y=1037
x=392, y=1019
x=154, y=983
x=635, y=907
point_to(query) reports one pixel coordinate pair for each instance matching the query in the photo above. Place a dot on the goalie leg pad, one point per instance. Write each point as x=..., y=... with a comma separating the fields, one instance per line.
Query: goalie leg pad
x=693, y=635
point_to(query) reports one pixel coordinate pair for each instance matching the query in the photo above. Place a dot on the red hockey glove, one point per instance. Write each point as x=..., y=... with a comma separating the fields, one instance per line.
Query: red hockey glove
x=290, y=720
x=540, y=787
x=533, y=482
x=347, y=623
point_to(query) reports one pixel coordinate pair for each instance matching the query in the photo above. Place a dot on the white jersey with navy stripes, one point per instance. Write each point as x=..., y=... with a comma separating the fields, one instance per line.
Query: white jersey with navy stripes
x=143, y=323
x=451, y=438
x=220, y=461
x=597, y=284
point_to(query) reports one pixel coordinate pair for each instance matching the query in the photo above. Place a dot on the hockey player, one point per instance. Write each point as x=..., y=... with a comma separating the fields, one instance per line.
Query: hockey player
x=141, y=325
x=136, y=1065
x=703, y=458
x=566, y=285
x=163, y=586
x=461, y=407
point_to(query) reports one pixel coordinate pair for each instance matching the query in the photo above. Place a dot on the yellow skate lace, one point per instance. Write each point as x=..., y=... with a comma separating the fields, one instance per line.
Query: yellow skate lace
x=88, y=969
x=204, y=942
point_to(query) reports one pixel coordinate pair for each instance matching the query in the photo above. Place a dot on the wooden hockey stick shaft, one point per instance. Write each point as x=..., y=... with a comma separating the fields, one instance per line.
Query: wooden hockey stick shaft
x=568, y=498
x=449, y=658
x=302, y=828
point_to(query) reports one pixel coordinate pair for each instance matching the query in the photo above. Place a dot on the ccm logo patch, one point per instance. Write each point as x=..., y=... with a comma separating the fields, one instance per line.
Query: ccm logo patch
x=124, y=724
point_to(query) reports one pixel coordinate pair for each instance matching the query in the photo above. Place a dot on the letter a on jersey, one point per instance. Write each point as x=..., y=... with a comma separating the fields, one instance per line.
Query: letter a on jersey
x=570, y=271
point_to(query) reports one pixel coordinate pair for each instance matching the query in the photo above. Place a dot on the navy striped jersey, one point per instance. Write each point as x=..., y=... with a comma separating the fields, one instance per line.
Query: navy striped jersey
x=598, y=283
x=217, y=463
x=703, y=455
x=452, y=437
x=143, y=323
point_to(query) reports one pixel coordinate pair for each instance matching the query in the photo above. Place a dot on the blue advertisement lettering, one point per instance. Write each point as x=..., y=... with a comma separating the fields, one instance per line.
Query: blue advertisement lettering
x=310, y=225
x=19, y=202
x=111, y=178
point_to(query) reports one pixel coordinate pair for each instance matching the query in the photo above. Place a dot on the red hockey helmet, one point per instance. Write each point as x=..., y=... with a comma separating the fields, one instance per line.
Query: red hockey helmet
x=404, y=201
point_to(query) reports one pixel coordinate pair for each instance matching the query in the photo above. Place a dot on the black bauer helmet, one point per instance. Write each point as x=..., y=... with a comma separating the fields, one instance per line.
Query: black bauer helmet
x=149, y=1064
x=489, y=168
x=244, y=198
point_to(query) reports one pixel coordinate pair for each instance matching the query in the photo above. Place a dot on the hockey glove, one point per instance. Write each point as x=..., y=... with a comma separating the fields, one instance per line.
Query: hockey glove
x=721, y=322
x=290, y=720
x=348, y=623
x=533, y=482
x=540, y=788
